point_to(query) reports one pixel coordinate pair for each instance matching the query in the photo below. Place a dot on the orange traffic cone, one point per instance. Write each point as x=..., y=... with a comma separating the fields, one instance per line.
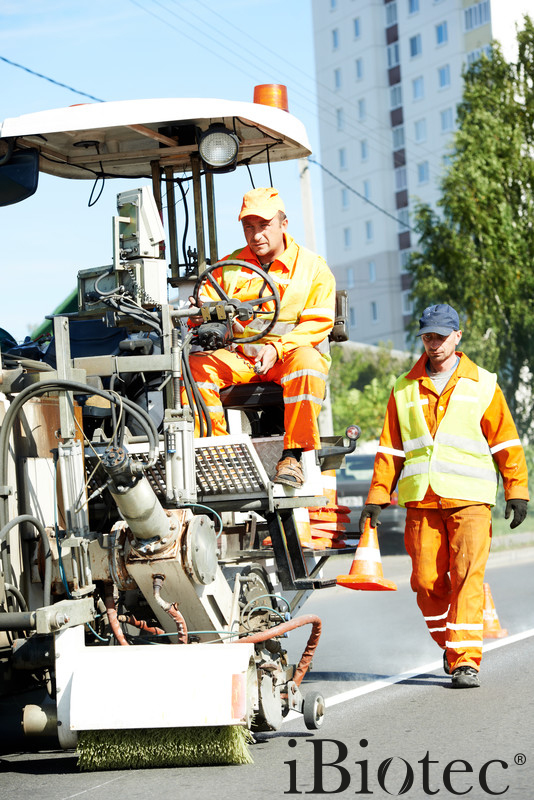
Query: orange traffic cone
x=366, y=570
x=492, y=626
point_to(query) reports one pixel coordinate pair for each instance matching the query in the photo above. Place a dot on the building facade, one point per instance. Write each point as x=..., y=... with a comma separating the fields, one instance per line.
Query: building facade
x=389, y=78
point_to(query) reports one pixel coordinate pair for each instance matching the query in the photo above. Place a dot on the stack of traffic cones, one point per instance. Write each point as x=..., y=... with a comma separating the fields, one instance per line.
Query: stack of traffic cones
x=328, y=523
x=492, y=626
x=366, y=571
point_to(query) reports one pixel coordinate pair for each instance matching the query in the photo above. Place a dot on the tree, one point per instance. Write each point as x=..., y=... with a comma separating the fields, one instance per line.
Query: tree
x=477, y=252
x=360, y=384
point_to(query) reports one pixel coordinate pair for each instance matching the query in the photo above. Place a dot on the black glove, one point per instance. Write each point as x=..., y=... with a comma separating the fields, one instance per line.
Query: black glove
x=519, y=509
x=371, y=511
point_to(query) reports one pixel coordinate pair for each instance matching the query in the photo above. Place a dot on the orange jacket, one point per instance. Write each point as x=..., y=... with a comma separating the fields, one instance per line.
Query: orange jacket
x=318, y=309
x=497, y=426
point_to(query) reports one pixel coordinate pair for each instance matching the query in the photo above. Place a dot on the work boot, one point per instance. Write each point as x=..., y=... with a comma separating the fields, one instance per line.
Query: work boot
x=289, y=472
x=446, y=668
x=465, y=678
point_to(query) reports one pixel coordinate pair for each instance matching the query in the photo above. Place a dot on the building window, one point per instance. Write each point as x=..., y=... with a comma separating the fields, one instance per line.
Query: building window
x=358, y=64
x=374, y=311
x=391, y=13
x=369, y=233
x=352, y=317
x=356, y=27
x=446, y=120
x=333, y=5
x=413, y=6
x=371, y=266
x=403, y=219
x=364, y=150
x=335, y=39
x=418, y=88
x=337, y=78
x=407, y=303
x=351, y=283
x=393, y=55
x=347, y=237
x=420, y=130
x=367, y=189
x=401, y=179
x=442, y=34
x=477, y=15
x=398, y=137
x=342, y=157
x=474, y=55
x=340, y=119
x=416, y=45
x=344, y=198
x=405, y=260
x=395, y=97
x=423, y=172
x=361, y=110
x=444, y=77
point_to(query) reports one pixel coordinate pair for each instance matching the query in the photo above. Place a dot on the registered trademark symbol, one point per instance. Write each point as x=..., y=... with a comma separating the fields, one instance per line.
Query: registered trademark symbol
x=520, y=758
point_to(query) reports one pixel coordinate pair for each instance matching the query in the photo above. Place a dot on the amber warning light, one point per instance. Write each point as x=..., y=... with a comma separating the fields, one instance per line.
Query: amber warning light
x=271, y=94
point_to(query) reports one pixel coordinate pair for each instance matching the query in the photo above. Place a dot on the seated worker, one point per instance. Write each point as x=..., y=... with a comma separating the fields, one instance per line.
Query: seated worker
x=294, y=353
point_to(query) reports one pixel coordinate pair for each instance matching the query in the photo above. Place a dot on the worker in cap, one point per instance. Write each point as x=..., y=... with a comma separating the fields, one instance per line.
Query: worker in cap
x=294, y=353
x=447, y=434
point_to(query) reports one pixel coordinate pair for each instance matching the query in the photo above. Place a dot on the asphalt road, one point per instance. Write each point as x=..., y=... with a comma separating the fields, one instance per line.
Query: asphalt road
x=393, y=725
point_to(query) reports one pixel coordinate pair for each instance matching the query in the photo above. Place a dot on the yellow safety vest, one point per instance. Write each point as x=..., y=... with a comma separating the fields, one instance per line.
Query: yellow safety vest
x=292, y=303
x=457, y=462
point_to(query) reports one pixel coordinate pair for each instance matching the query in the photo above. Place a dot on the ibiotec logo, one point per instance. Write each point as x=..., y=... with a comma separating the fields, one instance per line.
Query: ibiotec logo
x=394, y=775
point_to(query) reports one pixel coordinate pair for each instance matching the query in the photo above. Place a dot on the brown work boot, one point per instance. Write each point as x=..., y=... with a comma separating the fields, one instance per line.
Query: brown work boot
x=289, y=472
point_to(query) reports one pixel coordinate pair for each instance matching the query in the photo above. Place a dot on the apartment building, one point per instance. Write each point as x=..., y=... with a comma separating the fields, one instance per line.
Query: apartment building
x=389, y=80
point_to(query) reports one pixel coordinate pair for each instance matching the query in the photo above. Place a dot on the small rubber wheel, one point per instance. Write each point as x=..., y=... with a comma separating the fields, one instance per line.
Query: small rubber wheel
x=313, y=708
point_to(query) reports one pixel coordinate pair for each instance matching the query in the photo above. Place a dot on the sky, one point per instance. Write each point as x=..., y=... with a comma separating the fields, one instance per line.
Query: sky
x=134, y=49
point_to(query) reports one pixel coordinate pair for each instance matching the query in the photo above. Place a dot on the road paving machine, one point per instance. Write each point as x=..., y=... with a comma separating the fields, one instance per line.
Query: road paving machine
x=149, y=577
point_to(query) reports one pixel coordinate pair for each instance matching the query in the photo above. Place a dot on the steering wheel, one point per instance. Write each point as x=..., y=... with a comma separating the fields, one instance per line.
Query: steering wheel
x=207, y=277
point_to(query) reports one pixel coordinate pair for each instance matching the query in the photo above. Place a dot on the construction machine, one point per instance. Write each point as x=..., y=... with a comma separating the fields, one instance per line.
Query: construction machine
x=149, y=578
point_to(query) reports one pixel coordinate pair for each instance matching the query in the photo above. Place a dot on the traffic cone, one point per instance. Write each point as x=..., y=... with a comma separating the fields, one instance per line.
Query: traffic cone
x=492, y=626
x=366, y=570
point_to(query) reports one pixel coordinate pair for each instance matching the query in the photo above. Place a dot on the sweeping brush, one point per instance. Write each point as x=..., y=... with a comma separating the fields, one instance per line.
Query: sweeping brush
x=163, y=747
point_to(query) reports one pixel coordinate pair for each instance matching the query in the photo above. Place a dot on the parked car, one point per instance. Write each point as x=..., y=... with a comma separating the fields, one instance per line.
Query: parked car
x=353, y=482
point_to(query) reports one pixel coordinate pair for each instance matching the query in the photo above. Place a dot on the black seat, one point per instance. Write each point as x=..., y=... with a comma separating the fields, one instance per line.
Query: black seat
x=252, y=395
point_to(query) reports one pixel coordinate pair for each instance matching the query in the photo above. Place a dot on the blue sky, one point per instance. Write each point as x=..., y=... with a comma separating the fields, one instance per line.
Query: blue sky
x=132, y=49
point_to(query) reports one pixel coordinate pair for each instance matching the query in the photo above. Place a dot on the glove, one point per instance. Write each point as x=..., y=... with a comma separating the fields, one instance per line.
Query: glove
x=371, y=511
x=519, y=509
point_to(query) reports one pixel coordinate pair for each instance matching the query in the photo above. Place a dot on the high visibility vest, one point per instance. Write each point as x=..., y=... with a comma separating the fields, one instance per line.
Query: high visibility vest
x=292, y=303
x=457, y=462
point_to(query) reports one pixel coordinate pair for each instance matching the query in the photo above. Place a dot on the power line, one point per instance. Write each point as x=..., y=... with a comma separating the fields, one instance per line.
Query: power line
x=50, y=80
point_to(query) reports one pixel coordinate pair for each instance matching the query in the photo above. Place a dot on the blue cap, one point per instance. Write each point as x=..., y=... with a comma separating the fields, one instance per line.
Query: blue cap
x=441, y=319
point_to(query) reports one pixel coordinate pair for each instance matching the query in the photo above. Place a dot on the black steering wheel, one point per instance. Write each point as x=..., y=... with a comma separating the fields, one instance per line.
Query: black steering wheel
x=248, y=305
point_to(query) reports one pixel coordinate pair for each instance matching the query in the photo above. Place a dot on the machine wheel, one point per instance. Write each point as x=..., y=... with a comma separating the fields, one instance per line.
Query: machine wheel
x=313, y=708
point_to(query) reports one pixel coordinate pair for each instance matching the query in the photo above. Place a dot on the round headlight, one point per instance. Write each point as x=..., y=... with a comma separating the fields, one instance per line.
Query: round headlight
x=218, y=148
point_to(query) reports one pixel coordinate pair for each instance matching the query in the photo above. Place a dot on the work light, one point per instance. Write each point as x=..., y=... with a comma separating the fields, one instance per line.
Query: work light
x=218, y=148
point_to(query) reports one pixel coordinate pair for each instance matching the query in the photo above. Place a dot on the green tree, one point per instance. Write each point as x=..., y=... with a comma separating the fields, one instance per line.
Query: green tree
x=360, y=384
x=477, y=251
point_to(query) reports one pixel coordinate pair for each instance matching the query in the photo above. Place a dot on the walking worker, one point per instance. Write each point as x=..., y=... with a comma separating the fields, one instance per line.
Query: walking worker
x=295, y=352
x=447, y=434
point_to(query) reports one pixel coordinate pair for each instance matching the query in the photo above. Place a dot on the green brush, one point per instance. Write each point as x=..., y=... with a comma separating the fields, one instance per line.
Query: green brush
x=163, y=747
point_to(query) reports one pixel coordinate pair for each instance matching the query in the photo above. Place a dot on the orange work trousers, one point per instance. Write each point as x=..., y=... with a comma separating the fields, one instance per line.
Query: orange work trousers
x=302, y=375
x=449, y=549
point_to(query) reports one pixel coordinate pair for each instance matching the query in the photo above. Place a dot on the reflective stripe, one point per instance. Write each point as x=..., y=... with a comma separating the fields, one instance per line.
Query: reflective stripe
x=447, y=468
x=421, y=402
x=460, y=626
x=367, y=554
x=441, y=616
x=300, y=373
x=459, y=645
x=328, y=481
x=208, y=385
x=420, y=468
x=420, y=441
x=318, y=312
x=504, y=445
x=299, y=398
x=435, y=630
x=390, y=451
x=463, y=443
x=215, y=409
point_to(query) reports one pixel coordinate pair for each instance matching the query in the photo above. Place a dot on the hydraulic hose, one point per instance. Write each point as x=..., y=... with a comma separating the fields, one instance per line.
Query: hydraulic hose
x=129, y=619
x=305, y=660
x=170, y=608
x=112, y=615
x=47, y=582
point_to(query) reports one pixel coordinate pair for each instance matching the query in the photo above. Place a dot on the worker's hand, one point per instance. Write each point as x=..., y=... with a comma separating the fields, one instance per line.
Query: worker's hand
x=519, y=509
x=266, y=358
x=369, y=511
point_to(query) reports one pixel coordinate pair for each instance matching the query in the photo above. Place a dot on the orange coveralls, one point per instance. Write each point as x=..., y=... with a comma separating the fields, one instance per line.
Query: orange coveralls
x=447, y=539
x=300, y=369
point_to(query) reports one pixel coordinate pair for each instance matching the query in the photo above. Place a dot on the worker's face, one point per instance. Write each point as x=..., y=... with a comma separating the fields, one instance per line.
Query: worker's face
x=265, y=237
x=440, y=349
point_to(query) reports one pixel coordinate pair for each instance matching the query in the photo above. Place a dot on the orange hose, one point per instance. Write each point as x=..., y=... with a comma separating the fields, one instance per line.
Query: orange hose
x=305, y=660
x=112, y=615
